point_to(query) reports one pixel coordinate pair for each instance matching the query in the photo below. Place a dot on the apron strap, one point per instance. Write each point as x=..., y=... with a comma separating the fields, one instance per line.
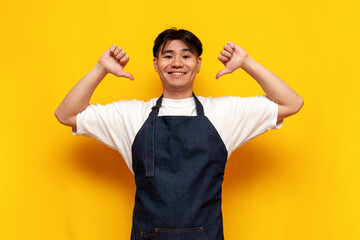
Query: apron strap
x=199, y=107
x=150, y=134
x=150, y=139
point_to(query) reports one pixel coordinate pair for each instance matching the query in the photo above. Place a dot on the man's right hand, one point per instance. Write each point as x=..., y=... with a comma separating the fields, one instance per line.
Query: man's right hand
x=114, y=61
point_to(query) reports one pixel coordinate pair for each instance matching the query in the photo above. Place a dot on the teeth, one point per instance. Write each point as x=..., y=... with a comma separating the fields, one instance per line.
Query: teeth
x=175, y=73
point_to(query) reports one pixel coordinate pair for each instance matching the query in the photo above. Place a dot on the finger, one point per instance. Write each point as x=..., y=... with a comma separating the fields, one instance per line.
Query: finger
x=231, y=44
x=117, y=50
x=112, y=49
x=124, y=60
x=226, y=54
x=228, y=48
x=222, y=72
x=128, y=75
x=120, y=55
x=223, y=59
x=125, y=63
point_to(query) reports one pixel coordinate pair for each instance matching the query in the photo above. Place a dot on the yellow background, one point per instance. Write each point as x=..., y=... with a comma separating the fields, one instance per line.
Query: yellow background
x=301, y=182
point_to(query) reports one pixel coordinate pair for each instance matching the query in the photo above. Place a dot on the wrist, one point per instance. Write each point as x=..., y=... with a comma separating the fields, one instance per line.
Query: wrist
x=249, y=64
x=100, y=70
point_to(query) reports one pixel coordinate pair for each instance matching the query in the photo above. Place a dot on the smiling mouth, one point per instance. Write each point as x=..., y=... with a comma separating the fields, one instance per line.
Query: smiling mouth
x=177, y=73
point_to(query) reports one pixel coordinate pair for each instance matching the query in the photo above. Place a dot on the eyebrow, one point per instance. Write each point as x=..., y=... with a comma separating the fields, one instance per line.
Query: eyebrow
x=171, y=51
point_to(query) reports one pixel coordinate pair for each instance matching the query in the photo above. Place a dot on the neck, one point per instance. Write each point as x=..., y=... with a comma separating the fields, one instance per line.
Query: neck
x=177, y=94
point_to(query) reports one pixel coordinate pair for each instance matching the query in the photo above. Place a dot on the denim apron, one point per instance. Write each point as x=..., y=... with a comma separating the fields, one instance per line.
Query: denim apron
x=179, y=163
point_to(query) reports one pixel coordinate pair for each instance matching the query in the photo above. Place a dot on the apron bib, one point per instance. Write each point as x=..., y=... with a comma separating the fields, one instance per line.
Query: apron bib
x=179, y=163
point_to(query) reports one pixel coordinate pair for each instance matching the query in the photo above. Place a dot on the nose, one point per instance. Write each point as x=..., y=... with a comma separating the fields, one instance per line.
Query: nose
x=177, y=62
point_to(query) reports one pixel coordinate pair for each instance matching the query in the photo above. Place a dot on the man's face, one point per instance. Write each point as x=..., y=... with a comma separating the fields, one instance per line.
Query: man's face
x=177, y=66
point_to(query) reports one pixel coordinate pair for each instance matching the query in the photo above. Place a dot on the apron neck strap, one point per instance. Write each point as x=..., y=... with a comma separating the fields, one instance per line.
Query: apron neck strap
x=199, y=107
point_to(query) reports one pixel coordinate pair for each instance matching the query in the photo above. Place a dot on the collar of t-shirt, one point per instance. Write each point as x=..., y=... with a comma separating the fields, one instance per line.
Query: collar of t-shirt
x=178, y=107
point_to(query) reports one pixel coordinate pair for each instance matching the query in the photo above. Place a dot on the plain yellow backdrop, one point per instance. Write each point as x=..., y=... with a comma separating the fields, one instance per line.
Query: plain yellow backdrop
x=300, y=182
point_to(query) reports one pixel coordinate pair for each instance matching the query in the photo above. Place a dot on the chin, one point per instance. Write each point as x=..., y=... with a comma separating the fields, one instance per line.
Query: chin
x=177, y=87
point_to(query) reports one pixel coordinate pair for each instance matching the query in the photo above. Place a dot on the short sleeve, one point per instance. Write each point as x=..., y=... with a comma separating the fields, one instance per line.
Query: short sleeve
x=98, y=122
x=251, y=117
x=114, y=124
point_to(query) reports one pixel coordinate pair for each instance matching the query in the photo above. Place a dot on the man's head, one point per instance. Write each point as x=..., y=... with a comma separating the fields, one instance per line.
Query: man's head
x=177, y=60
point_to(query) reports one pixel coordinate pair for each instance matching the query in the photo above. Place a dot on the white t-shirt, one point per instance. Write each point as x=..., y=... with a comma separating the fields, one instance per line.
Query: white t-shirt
x=236, y=119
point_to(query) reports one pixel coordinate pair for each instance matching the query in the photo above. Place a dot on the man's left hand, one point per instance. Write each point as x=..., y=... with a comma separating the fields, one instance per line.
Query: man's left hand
x=233, y=57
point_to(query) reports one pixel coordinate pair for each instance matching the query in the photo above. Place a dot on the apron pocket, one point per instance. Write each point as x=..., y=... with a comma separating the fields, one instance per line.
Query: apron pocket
x=147, y=236
x=180, y=234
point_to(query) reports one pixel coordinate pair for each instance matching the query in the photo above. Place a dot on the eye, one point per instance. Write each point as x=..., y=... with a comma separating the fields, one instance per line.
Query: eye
x=168, y=56
x=186, y=56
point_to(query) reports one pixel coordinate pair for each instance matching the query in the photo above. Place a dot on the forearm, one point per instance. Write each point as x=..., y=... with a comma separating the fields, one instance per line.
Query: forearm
x=79, y=96
x=275, y=88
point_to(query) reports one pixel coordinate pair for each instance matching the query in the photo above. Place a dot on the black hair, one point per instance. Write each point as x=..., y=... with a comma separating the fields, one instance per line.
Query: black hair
x=186, y=36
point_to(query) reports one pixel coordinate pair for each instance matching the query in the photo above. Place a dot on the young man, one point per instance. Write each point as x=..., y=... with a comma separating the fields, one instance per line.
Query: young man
x=177, y=145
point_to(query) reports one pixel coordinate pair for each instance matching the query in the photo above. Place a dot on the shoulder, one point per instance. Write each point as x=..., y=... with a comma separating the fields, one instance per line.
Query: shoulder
x=122, y=110
x=126, y=106
x=230, y=109
x=231, y=102
x=235, y=101
x=131, y=103
x=230, y=99
x=214, y=101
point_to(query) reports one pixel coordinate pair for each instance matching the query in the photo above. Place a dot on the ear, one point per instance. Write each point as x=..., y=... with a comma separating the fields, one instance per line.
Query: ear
x=155, y=62
x=198, y=64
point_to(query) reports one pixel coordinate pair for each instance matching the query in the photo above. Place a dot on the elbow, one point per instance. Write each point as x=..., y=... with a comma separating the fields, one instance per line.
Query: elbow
x=68, y=121
x=58, y=116
x=299, y=104
x=290, y=109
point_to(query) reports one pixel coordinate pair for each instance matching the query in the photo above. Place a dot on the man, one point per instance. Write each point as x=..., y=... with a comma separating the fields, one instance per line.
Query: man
x=177, y=145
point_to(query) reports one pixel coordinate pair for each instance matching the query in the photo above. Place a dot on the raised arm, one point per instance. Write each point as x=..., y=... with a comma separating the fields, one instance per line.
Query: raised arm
x=234, y=57
x=111, y=61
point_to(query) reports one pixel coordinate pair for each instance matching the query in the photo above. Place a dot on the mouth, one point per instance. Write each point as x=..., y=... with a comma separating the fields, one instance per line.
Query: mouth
x=177, y=73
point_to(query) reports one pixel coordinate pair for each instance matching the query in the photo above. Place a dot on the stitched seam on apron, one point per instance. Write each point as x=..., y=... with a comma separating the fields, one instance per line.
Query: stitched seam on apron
x=146, y=143
x=174, y=230
x=153, y=146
